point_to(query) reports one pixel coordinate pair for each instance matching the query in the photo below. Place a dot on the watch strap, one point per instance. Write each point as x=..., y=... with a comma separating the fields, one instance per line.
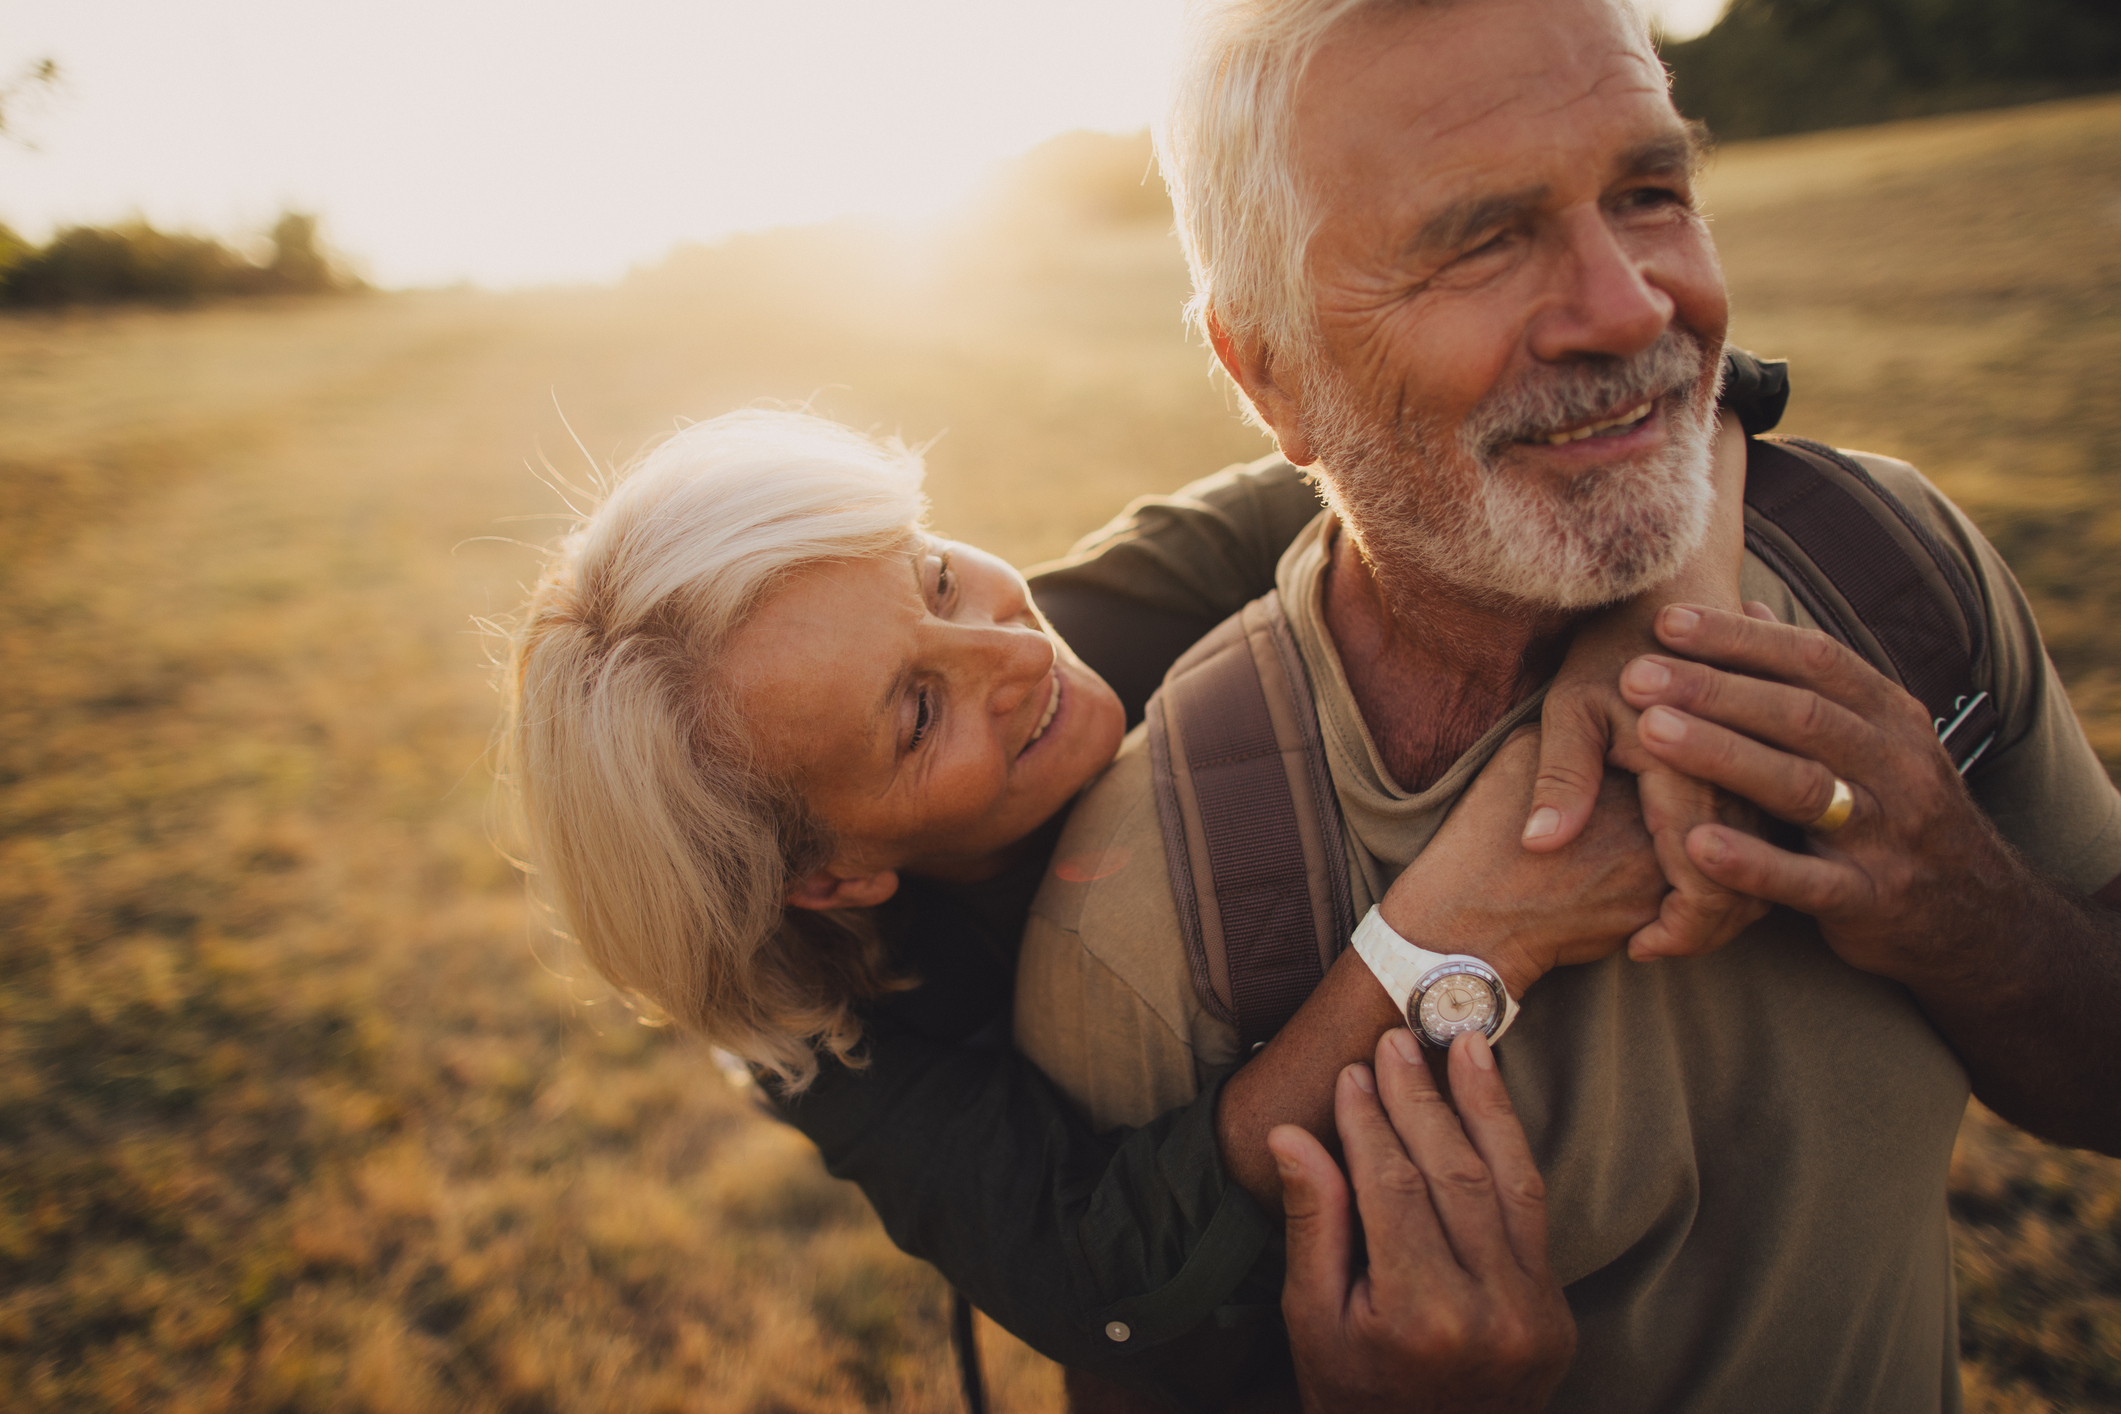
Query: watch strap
x=1400, y=965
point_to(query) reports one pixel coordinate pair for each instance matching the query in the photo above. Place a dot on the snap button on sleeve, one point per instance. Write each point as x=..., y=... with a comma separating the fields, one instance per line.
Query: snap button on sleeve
x=1117, y=1330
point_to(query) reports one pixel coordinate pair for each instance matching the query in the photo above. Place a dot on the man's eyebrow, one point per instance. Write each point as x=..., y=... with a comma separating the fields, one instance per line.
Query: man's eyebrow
x=1668, y=154
x=1459, y=222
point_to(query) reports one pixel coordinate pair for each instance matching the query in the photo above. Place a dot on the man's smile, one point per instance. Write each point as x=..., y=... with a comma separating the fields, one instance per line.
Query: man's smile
x=1605, y=427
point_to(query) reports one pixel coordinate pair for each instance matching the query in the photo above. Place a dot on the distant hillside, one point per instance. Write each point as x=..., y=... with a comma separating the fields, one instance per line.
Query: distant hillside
x=1788, y=66
x=133, y=262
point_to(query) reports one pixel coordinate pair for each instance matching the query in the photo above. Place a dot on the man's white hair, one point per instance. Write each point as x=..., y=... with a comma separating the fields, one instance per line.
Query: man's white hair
x=1227, y=146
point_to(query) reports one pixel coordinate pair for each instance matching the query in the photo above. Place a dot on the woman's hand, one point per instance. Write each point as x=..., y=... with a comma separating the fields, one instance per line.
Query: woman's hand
x=1456, y=1307
x=1472, y=890
x=1587, y=723
x=1475, y=890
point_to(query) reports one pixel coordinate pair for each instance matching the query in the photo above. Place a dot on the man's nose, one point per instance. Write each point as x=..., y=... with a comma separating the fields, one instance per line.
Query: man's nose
x=1608, y=303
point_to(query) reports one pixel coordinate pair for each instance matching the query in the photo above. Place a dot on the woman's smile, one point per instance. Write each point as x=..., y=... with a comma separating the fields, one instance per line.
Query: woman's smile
x=929, y=716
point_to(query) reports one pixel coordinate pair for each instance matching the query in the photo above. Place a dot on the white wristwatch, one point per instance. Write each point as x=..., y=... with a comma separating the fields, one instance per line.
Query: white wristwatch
x=1442, y=994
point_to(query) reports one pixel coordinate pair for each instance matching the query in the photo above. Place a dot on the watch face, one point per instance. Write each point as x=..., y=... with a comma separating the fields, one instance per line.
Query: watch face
x=1457, y=999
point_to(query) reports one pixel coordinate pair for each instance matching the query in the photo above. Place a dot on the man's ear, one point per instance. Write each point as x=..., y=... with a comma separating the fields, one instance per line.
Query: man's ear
x=1250, y=364
x=822, y=889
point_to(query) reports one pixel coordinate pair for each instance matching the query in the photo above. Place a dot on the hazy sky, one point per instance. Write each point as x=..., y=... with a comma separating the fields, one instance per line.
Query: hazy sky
x=509, y=141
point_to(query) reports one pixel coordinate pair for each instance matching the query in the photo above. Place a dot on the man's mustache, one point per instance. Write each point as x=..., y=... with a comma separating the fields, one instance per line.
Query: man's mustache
x=1547, y=397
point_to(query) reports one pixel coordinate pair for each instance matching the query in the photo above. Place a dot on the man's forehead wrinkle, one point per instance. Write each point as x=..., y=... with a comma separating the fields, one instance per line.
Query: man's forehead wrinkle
x=1432, y=122
x=1472, y=120
x=1600, y=88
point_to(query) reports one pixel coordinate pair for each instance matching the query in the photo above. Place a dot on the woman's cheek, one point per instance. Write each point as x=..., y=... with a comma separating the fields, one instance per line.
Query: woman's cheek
x=969, y=793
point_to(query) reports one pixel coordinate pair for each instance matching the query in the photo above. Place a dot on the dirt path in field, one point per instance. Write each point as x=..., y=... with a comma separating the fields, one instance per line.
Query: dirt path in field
x=296, y=1107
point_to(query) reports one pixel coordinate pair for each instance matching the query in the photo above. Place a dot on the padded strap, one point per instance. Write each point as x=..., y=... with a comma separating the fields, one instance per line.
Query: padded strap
x=1251, y=826
x=1876, y=579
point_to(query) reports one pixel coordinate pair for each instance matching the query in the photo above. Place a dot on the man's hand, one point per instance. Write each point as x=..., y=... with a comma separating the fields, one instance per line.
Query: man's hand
x=1586, y=724
x=1915, y=867
x=2021, y=979
x=1475, y=890
x=1457, y=1310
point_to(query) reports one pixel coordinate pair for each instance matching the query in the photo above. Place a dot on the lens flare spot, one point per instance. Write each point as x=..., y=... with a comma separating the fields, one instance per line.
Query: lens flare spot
x=1096, y=864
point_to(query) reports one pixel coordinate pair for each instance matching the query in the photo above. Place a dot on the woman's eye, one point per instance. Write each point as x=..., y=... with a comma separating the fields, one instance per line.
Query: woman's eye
x=921, y=716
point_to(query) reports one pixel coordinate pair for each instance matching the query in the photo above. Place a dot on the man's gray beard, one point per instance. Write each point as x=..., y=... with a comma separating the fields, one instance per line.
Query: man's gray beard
x=1417, y=498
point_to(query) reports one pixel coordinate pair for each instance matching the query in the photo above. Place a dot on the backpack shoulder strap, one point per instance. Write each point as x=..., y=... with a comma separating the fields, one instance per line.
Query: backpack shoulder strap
x=1876, y=579
x=1251, y=825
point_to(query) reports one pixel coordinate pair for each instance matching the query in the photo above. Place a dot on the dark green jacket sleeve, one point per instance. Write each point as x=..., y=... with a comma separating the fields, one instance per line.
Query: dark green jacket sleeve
x=975, y=1163
x=972, y=1159
x=1143, y=589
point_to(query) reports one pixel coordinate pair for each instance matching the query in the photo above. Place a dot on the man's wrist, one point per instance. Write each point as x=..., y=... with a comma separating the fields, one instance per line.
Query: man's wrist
x=1517, y=970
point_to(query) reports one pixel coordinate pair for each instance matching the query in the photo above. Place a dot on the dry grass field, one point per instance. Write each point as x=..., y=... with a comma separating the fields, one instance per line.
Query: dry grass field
x=300, y=1109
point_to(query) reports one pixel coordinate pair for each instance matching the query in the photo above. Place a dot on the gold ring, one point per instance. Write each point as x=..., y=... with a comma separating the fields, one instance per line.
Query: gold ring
x=1837, y=810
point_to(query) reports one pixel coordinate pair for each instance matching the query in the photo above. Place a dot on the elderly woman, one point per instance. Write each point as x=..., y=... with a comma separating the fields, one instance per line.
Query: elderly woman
x=789, y=768
x=747, y=695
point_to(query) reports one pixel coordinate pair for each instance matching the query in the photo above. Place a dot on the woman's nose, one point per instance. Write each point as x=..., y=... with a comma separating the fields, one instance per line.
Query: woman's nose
x=1017, y=660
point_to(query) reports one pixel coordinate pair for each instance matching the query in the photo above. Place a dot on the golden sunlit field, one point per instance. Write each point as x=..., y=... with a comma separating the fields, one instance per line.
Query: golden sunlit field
x=300, y=1107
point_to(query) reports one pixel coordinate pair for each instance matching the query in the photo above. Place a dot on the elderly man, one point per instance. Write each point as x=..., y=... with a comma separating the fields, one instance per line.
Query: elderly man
x=1450, y=253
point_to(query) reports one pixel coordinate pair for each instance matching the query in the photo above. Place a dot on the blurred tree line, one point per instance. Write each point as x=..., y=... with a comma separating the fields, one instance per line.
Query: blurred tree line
x=1786, y=66
x=135, y=262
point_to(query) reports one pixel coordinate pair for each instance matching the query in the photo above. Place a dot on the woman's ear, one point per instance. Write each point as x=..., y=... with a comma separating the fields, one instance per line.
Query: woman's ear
x=823, y=889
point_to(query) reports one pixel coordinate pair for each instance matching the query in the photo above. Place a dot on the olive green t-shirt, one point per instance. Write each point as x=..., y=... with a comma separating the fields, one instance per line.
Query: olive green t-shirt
x=1745, y=1153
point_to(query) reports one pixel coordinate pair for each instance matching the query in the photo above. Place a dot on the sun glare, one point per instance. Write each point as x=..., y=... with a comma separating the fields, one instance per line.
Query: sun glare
x=518, y=141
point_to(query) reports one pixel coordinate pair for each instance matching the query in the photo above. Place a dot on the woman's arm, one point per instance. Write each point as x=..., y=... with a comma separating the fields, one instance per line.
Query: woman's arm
x=1135, y=594
x=1529, y=897
x=976, y=1163
x=1472, y=890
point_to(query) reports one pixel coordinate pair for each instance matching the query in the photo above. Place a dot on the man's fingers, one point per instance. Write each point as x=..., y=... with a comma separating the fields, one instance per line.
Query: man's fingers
x=1491, y=1124
x=1804, y=882
x=1461, y=1187
x=1574, y=736
x=1792, y=788
x=1314, y=1198
x=1793, y=718
x=1764, y=648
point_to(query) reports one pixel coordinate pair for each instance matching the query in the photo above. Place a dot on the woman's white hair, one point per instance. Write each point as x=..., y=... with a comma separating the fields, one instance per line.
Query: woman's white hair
x=666, y=849
x=1227, y=146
